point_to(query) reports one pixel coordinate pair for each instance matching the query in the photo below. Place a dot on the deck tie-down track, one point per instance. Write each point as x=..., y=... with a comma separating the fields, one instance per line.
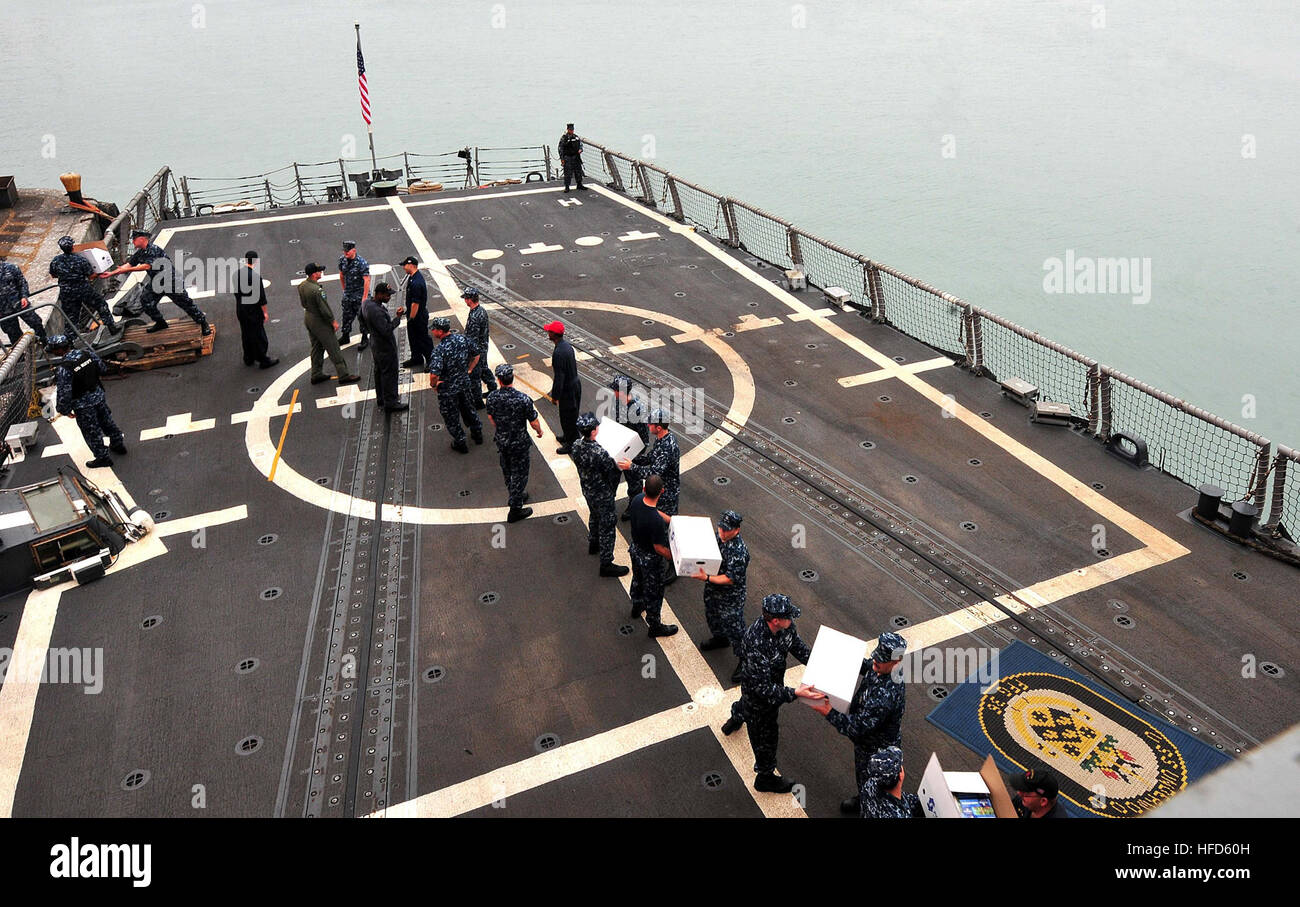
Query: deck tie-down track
x=354, y=726
x=933, y=567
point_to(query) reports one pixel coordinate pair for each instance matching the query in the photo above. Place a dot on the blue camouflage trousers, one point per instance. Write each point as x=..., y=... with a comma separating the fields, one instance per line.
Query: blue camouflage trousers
x=149, y=300
x=95, y=420
x=515, y=461
x=480, y=378
x=351, y=306
x=647, y=583
x=75, y=305
x=761, y=725
x=726, y=617
x=600, y=529
x=455, y=406
x=11, y=326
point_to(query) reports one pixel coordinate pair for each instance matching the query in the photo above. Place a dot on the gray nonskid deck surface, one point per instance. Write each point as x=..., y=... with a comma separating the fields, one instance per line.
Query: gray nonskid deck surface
x=533, y=651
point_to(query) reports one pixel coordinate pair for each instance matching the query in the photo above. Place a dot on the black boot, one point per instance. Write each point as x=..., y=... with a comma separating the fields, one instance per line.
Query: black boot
x=593, y=547
x=731, y=725
x=769, y=783
x=636, y=611
x=119, y=447
x=100, y=462
x=612, y=569
x=205, y=328
x=736, y=674
x=158, y=325
x=478, y=437
x=714, y=642
x=460, y=447
x=852, y=806
x=662, y=630
x=518, y=513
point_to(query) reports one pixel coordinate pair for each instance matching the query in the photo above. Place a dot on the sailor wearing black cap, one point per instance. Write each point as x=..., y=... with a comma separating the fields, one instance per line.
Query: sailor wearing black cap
x=79, y=391
x=417, y=316
x=477, y=329
x=450, y=365
x=354, y=274
x=630, y=411
x=1036, y=795
x=318, y=318
x=875, y=717
x=571, y=157
x=13, y=301
x=250, y=309
x=76, y=292
x=766, y=643
x=598, y=474
x=374, y=315
x=162, y=281
x=510, y=411
x=724, y=591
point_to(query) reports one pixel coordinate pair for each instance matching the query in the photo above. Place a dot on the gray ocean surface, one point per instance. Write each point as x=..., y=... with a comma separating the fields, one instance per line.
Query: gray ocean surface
x=966, y=143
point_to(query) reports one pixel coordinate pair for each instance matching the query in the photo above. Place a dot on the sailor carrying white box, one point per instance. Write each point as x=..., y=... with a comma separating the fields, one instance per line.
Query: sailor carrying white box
x=874, y=718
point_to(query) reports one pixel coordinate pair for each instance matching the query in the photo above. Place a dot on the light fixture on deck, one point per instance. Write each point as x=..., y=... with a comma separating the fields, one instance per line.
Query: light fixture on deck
x=841, y=297
x=1020, y=390
x=796, y=279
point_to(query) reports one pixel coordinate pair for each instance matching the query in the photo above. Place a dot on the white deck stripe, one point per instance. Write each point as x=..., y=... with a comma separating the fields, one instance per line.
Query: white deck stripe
x=201, y=521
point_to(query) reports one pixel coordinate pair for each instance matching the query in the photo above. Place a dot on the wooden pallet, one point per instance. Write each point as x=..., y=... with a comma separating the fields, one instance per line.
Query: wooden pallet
x=181, y=344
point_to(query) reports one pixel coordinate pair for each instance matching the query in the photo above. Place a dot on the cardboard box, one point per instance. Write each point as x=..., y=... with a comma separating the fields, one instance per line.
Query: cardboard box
x=964, y=795
x=96, y=254
x=834, y=666
x=694, y=546
x=620, y=442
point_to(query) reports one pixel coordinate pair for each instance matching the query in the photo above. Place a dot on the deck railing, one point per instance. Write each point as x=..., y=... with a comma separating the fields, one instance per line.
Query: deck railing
x=1182, y=440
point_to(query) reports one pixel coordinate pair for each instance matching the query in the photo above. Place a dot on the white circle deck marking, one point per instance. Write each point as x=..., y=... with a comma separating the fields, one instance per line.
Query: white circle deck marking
x=257, y=436
x=588, y=241
x=488, y=254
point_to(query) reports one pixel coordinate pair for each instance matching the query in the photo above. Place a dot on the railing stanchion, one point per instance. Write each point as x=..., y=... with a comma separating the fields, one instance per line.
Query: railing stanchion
x=729, y=216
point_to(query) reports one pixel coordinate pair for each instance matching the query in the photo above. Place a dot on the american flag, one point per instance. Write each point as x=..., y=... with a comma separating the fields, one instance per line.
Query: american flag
x=361, y=82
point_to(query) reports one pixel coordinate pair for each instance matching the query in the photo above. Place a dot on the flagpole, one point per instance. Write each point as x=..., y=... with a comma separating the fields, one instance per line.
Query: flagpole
x=370, y=129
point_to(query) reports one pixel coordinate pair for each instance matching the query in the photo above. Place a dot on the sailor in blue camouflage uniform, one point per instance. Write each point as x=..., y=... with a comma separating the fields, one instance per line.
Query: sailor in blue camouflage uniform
x=884, y=798
x=764, y=648
x=354, y=274
x=476, y=329
x=13, y=300
x=510, y=411
x=875, y=717
x=450, y=365
x=76, y=292
x=80, y=392
x=630, y=411
x=724, y=591
x=664, y=461
x=161, y=280
x=599, y=476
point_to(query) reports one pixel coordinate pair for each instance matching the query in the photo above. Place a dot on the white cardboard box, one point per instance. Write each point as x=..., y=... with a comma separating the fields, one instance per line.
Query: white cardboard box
x=97, y=254
x=834, y=666
x=693, y=544
x=620, y=442
x=951, y=795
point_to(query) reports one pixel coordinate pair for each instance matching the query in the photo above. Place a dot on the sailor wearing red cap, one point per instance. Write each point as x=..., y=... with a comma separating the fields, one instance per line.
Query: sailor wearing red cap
x=566, y=389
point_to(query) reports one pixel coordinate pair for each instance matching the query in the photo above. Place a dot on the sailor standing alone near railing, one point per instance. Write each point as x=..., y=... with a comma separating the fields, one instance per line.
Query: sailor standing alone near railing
x=571, y=157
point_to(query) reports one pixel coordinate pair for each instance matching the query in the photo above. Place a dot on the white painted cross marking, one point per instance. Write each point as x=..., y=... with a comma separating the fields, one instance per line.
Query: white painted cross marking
x=270, y=412
x=634, y=235
x=753, y=323
x=177, y=425
x=536, y=247
x=816, y=313
x=633, y=344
